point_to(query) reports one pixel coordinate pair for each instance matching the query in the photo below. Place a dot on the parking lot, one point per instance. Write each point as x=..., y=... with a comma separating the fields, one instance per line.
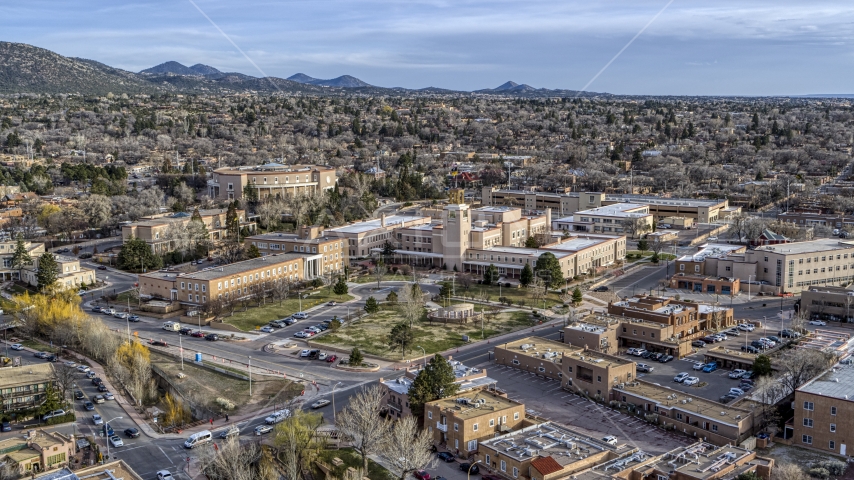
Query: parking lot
x=545, y=398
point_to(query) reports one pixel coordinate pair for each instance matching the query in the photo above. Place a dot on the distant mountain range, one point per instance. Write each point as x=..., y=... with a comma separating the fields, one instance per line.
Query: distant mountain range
x=28, y=69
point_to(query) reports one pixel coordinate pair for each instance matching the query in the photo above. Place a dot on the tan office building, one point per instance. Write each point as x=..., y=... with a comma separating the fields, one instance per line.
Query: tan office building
x=155, y=229
x=332, y=251
x=233, y=281
x=824, y=411
x=70, y=275
x=462, y=421
x=271, y=180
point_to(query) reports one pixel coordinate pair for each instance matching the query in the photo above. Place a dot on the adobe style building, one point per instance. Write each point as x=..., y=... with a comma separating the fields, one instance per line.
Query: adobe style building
x=546, y=451
x=709, y=421
x=37, y=452
x=699, y=210
x=397, y=390
x=24, y=387
x=271, y=180
x=829, y=303
x=332, y=251
x=7, y=249
x=461, y=422
x=586, y=371
x=70, y=275
x=154, y=229
x=232, y=282
x=609, y=220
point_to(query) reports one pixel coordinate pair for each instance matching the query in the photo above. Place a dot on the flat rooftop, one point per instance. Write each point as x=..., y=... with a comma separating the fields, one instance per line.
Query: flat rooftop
x=821, y=245
x=837, y=382
x=539, y=346
x=579, y=243
x=651, y=200
x=495, y=209
x=701, y=460
x=26, y=375
x=525, y=251
x=468, y=378
x=491, y=402
x=563, y=444
x=368, y=225
x=711, y=250
x=615, y=210
x=244, y=266
x=666, y=397
x=291, y=237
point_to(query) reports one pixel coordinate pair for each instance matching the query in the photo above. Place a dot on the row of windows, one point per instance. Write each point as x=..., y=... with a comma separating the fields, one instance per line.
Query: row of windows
x=808, y=422
x=807, y=439
x=823, y=258
x=810, y=406
x=276, y=180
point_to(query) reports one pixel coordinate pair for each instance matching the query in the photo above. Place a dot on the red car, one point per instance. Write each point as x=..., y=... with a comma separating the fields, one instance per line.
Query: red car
x=422, y=475
x=198, y=333
x=331, y=358
x=310, y=333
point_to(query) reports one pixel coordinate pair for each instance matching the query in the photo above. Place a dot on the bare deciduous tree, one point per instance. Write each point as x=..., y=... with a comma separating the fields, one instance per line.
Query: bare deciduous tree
x=360, y=422
x=788, y=471
x=800, y=365
x=407, y=448
x=411, y=302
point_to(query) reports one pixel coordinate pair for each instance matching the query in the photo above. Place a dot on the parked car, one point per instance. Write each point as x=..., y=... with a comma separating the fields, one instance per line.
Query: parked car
x=642, y=367
x=331, y=358
x=681, y=377
x=656, y=356
x=471, y=468
x=774, y=338
x=262, y=429
x=632, y=351
x=198, y=334
x=109, y=396
x=89, y=406
x=16, y=346
x=96, y=309
x=748, y=374
x=710, y=367
x=698, y=343
x=90, y=374
x=98, y=399
x=55, y=413
x=40, y=354
x=102, y=388
x=322, y=356
x=300, y=315
x=602, y=288
x=699, y=366
x=78, y=395
x=83, y=368
x=304, y=353
x=320, y=403
x=610, y=440
x=267, y=329
x=277, y=417
x=446, y=456
x=134, y=318
x=690, y=381
x=818, y=322
x=229, y=432
x=737, y=373
x=212, y=337
x=102, y=267
x=300, y=335
x=159, y=343
x=164, y=475
x=646, y=354
x=665, y=358
x=421, y=475
x=332, y=303
x=116, y=441
x=736, y=391
x=749, y=349
x=185, y=331
x=132, y=432
x=746, y=327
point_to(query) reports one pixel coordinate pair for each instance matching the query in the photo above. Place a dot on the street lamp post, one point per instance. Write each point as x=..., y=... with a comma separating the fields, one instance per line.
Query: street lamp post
x=107, y=434
x=425, y=354
x=468, y=474
x=249, y=366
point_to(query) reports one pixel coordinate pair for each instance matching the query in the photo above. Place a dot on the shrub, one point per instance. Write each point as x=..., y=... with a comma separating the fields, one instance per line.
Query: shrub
x=819, y=472
x=835, y=468
x=68, y=417
x=225, y=403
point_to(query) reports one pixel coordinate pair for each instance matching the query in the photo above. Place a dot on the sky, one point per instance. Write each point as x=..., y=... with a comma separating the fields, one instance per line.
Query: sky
x=685, y=47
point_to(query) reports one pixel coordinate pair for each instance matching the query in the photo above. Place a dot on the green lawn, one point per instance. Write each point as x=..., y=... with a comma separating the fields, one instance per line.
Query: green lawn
x=350, y=459
x=515, y=295
x=389, y=277
x=370, y=333
x=260, y=316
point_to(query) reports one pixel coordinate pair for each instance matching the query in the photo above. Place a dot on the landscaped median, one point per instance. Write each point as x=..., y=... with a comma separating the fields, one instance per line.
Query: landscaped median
x=255, y=317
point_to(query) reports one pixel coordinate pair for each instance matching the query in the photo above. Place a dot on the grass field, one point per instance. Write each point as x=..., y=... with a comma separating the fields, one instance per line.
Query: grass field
x=260, y=316
x=370, y=333
x=515, y=295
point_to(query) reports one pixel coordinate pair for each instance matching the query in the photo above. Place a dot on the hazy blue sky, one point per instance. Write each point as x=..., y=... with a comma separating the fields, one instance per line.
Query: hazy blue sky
x=694, y=47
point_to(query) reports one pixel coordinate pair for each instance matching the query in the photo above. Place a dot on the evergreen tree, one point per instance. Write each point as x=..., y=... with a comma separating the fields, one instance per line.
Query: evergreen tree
x=253, y=252
x=548, y=268
x=655, y=258
x=762, y=365
x=340, y=287
x=250, y=194
x=197, y=217
x=527, y=275
x=48, y=271
x=490, y=275
x=434, y=382
x=392, y=297
x=371, y=305
x=231, y=221
x=445, y=290
x=643, y=245
x=136, y=256
x=21, y=258
x=401, y=337
x=356, y=357
x=577, y=297
x=531, y=242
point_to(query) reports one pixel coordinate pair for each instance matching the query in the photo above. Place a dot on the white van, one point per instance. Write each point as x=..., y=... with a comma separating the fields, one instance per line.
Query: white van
x=172, y=326
x=199, y=438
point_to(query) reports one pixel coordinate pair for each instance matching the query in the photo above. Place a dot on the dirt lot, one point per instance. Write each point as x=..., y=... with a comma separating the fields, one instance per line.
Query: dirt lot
x=205, y=386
